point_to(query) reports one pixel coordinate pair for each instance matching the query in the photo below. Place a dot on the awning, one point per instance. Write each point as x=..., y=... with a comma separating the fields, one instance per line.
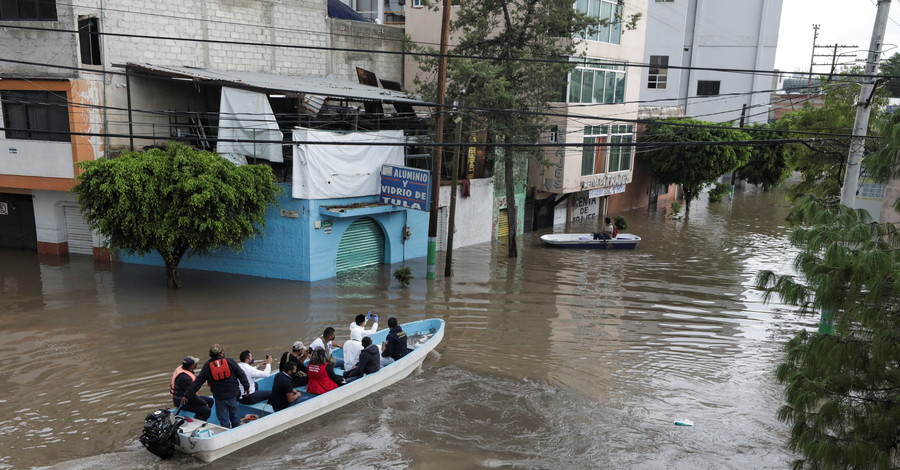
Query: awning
x=269, y=82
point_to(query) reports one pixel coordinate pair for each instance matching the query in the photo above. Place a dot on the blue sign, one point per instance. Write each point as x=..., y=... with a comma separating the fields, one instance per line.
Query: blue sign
x=405, y=187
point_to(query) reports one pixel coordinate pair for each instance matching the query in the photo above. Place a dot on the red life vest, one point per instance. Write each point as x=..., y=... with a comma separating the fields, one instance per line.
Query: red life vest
x=219, y=369
x=178, y=371
x=319, y=381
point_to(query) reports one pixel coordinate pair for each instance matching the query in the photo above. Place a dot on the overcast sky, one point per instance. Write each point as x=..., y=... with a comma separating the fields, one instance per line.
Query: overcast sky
x=842, y=22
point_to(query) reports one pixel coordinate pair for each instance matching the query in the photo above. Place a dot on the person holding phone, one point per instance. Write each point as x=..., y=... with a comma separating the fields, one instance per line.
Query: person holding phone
x=254, y=395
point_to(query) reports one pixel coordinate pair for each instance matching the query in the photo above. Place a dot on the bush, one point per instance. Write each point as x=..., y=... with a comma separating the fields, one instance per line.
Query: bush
x=621, y=223
x=404, y=276
x=718, y=192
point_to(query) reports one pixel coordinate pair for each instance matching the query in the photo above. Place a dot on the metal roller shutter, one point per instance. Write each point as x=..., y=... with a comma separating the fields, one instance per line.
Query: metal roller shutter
x=502, y=226
x=362, y=244
x=78, y=234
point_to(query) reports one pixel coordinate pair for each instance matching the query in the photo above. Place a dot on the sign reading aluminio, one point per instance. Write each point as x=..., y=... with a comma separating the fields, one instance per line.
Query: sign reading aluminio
x=405, y=187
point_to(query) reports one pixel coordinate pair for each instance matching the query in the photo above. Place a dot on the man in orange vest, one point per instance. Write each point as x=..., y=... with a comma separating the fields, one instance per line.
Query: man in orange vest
x=223, y=375
x=182, y=378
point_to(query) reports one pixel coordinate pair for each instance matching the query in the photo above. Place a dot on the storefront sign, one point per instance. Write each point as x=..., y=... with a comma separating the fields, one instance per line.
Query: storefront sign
x=606, y=191
x=405, y=187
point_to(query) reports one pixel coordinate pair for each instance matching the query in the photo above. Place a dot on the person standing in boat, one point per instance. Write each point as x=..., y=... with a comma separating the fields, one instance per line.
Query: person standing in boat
x=283, y=393
x=322, y=377
x=395, y=347
x=327, y=342
x=369, y=361
x=298, y=355
x=224, y=376
x=182, y=378
x=254, y=395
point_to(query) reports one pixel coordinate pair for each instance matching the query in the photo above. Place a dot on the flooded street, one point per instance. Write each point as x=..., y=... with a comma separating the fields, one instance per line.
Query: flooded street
x=560, y=358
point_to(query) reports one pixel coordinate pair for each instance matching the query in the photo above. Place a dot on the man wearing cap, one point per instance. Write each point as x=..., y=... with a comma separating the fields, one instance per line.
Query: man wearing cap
x=182, y=378
x=224, y=376
x=298, y=355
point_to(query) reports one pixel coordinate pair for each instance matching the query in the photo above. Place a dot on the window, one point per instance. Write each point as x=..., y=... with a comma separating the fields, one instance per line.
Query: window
x=417, y=4
x=554, y=134
x=708, y=87
x=20, y=10
x=596, y=82
x=89, y=41
x=608, y=10
x=31, y=114
x=606, y=159
x=659, y=71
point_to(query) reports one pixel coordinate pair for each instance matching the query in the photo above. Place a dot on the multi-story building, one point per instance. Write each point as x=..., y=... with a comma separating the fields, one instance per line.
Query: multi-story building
x=600, y=107
x=88, y=79
x=701, y=55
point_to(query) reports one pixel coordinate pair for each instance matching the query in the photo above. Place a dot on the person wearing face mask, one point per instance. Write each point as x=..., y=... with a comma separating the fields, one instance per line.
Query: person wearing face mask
x=254, y=395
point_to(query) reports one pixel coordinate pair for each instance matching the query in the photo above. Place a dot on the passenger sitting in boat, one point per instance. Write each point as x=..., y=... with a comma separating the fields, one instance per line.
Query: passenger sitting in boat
x=283, y=393
x=352, y=348
x=326, y=342
x=608, y=232
x=254, y=395
x=321, y=374
x=359, y=325
x=369, y=361
x=298, y=355
x=395, y=346
x=181, y=380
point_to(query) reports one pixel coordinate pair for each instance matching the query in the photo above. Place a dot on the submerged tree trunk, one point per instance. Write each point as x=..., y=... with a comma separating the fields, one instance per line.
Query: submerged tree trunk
x=173, y=259
x=511, y=211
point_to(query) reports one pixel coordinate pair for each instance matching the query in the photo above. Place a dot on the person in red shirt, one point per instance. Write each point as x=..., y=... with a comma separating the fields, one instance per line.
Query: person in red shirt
x=322, y=377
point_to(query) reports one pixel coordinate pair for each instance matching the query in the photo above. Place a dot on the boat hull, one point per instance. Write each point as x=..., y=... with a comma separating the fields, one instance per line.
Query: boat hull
x=225, y=441
x=623, y=241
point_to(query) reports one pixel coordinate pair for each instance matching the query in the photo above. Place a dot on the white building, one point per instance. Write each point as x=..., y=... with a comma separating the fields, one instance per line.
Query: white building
x=688, y=39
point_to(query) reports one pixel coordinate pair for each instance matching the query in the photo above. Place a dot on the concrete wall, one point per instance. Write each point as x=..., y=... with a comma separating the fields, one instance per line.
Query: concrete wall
x=718, y=34
x=473, y=213
x=293, y=248
x=41, y=47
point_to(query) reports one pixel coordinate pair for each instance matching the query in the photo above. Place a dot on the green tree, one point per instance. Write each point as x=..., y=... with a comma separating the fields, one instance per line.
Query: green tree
x=891, y=67
x=175, y=201
x=842, y=390
x=518, y=52
x=829, y=126
x=768, y=164
x=679, y=160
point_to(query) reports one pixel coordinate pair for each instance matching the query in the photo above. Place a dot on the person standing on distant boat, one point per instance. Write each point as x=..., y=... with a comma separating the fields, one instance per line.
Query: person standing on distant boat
x=254, y=395
x=182, y=378
x=395, y=347
x=327, y=342
x=223, y=375
x=369, y=361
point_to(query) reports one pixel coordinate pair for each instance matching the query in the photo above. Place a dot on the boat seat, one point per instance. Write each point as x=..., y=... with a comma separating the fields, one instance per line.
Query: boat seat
x=187, y=414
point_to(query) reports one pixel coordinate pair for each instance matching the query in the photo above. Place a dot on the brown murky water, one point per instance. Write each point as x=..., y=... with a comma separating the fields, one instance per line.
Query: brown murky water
x=559, y=358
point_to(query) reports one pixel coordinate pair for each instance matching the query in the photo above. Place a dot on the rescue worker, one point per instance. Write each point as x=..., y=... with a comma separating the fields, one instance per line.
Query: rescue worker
x=182, y=378
x=395, y=347
x=223, y=375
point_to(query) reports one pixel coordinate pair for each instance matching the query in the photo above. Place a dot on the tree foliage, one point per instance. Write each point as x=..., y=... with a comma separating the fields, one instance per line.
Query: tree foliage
x=515, y=57
x=768, y=164
x=842, y=391
x=891, y=67
x=883, y=164
x=830, y=126
x=174, y=201
x=693, y=166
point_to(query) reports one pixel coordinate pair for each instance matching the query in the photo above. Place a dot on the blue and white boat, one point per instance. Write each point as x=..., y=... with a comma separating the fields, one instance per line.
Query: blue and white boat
x=622, y=241
x=208, y=441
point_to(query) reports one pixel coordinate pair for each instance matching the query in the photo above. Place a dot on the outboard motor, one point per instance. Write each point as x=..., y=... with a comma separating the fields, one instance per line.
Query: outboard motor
x=160, y=434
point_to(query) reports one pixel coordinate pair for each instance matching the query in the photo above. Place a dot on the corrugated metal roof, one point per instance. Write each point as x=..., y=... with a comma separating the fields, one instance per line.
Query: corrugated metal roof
x=330, y=87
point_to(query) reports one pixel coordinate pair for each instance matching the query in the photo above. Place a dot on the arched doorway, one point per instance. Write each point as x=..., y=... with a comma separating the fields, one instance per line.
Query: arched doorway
x=362, y=244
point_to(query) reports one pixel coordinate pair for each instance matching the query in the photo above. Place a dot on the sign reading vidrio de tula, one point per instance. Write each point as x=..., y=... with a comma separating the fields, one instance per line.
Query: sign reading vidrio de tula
x=405, y=187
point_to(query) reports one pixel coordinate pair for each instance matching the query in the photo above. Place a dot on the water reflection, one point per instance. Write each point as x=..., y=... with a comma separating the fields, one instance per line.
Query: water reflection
x=569, y=356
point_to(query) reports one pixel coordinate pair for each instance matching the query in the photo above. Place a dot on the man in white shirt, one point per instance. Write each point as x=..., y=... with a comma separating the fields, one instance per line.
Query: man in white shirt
x=255, y=395
x=326, y=342
x=359, y=325
x=352, y=348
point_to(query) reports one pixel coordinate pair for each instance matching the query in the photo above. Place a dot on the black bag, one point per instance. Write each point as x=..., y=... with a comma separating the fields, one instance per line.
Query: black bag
x=160, y=434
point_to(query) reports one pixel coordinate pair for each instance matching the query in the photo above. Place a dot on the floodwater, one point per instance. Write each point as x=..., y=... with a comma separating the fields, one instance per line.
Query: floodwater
x=560, y=358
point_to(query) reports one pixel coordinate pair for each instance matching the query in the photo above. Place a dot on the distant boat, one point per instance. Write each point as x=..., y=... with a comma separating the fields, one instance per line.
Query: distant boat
x=208, y=441
x=622, y=241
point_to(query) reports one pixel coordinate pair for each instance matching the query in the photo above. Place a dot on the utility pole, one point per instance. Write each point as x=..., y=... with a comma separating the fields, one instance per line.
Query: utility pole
x=439, y=140
x=451, y=219
x=812, y=58
x=864, y=107
x=858, y=139
x=734, y=172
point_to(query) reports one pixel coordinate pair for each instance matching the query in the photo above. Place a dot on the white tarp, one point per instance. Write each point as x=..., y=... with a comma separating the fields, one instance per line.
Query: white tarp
x=247, y=116
x=340, y=166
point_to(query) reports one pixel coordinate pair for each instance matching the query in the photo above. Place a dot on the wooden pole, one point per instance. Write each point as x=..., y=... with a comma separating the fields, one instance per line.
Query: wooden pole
x=439, y=139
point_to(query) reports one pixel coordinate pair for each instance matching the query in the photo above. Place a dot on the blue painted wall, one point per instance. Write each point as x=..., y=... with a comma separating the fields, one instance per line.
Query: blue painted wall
x=293, y=248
